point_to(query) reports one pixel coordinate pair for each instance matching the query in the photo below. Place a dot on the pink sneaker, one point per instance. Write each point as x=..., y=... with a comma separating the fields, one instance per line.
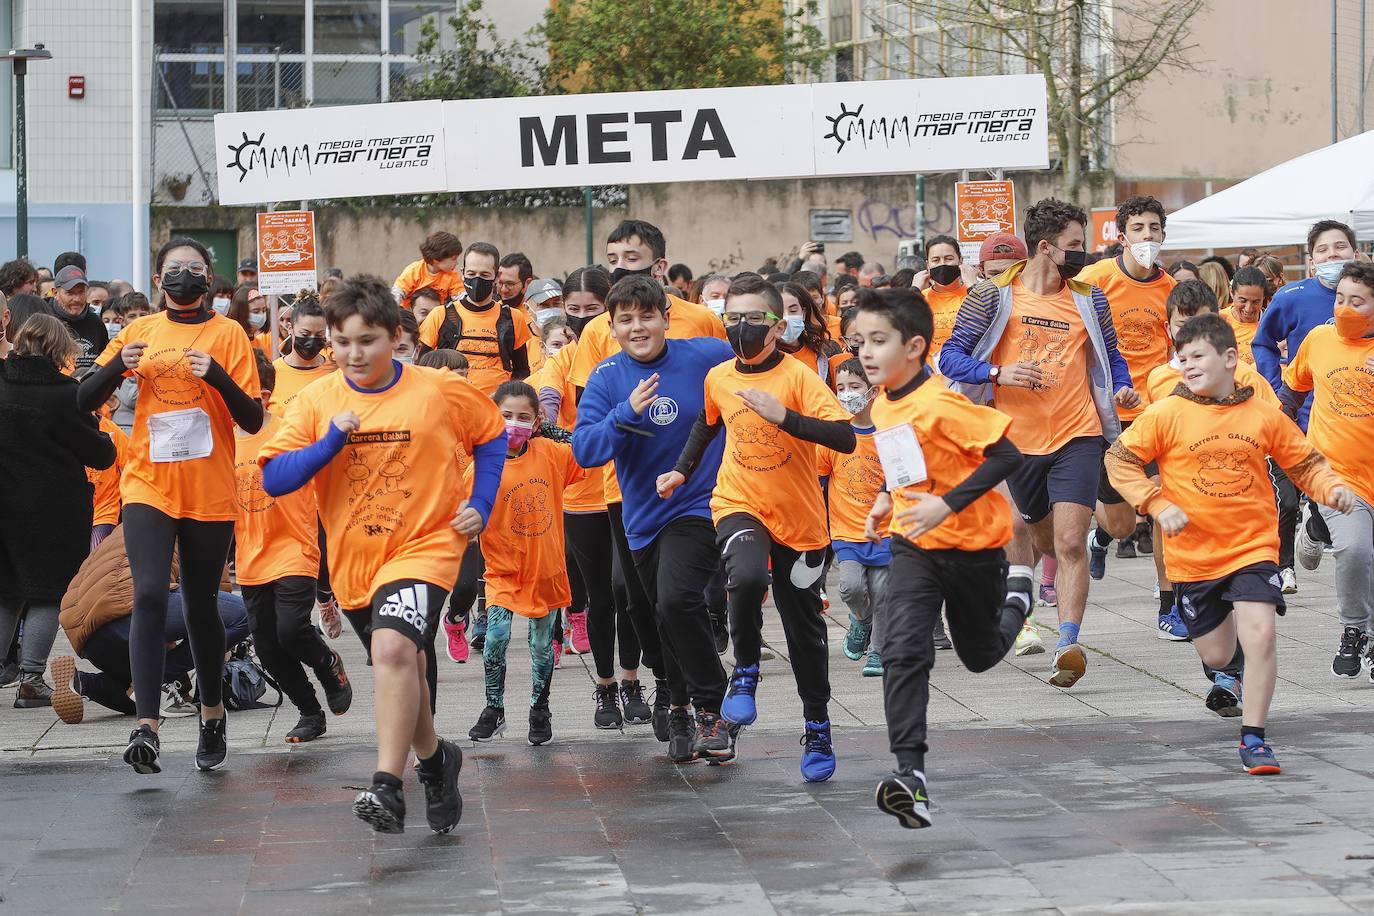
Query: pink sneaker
x=457, y=641
x=557, y=654
x=578, y=643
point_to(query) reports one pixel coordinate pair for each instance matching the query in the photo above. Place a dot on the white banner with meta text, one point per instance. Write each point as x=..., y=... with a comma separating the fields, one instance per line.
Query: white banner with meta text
x=827, y=129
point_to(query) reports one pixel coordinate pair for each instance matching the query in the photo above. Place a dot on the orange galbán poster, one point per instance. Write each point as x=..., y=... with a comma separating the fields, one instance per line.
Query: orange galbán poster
x=286, y=252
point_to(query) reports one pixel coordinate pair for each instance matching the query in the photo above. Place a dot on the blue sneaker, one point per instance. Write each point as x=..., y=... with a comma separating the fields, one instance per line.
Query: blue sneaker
x=479, y=633
x=818, y=760
x=739, y=706
x=1097, y=557
x=874, y=666
x=1172, y=627
x=1258, y=759
x=1224, y=697
x=856, y=640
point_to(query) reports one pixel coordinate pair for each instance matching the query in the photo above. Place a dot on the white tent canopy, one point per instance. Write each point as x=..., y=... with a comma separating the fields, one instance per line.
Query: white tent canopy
x=1278, y=206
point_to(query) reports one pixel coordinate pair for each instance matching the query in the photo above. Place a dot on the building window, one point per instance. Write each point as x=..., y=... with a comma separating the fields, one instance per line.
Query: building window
x=408, y=18
x=190, y=85
x=269, y=25
x=348, y=26
x=278, y=83
x=347, y=82
x=189, y=25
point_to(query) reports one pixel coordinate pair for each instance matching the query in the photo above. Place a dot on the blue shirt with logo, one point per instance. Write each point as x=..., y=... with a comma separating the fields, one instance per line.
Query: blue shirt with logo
x=643, y=447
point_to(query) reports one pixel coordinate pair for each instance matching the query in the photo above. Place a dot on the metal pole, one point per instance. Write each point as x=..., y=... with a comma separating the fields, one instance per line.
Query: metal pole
x=138, y=236
x=587, y=210
x=921, y=209
x=1362, y=64
x=21, y=162
x=1335, y=133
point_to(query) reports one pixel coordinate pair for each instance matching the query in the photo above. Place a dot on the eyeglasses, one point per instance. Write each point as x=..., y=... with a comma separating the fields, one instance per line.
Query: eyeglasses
x=198, y=268
x=733, y=318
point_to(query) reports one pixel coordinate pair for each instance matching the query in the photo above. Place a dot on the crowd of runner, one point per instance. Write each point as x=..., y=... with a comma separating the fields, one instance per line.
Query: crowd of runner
x=635, y=462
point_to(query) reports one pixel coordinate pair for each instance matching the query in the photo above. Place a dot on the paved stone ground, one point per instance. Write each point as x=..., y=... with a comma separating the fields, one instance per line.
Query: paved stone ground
x=1122, y=795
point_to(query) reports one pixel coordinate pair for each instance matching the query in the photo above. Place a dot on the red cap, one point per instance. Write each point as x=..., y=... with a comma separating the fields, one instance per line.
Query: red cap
x=1002, y=246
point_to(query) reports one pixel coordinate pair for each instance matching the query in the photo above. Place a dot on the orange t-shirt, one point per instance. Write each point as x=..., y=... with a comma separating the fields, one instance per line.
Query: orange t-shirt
x=1212, y=466
x=855, y=481
x=194, y=488
x=274, y=537
x=1049, y=332
x=1245, y=334
x=944, y=306
x=1341, y=426
x=765, y=472
x=527, y=567
x=447, y=283
x=588, y=495
x=106, y=482
x=1140, y=317
x=478, y=342
x=953, y=433
x=291, y=380
x=1164, y=379
x=387, y=500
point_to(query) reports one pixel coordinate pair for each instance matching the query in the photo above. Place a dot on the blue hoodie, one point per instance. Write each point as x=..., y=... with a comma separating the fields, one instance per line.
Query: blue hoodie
x=643, y=447
x=1296, y=309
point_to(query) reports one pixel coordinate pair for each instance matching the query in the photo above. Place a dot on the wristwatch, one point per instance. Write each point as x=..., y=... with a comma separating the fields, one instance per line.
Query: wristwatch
x=994, y=374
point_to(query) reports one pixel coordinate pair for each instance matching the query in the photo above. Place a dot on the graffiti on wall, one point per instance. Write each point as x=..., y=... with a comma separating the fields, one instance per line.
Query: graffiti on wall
x=876, y=218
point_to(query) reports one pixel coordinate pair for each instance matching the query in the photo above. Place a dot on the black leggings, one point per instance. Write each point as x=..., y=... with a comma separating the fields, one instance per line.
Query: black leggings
x=202, y=549
x=637, y=605
x=286, y=641
x=589, y=541
x=469, y=583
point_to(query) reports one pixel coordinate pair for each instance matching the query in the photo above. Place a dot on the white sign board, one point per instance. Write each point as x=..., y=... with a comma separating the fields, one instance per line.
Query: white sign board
x=309, y=153
x=629, y=138
x=875, y=127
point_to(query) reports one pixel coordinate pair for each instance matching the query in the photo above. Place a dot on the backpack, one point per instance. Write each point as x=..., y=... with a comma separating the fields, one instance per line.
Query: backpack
x=451, y=335
x=245, y=681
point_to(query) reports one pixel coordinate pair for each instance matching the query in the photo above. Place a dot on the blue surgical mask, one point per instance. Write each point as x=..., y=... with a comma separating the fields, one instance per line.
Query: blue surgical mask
x=717, y=306
x=257, y=320
x=112, y=329
x=796, y=324
x=1330, y=273
x=543, y=316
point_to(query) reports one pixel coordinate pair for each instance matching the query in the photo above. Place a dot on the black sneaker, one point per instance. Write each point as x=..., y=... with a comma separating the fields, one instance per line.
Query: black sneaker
x=213, y=744
x=541, y=725
x=715, y=741
x=143, y=750
x=1347, y=660
x=490, y=724
x=637, y=712
x=659, y=714
x=310, y=727
x=607, y=699
x=443, y=801
x=902, y=794
x=720, y=633
x=382, y=806
x=1144, y=538
x=1125, y=548
x=682, y=736
x=338, y=692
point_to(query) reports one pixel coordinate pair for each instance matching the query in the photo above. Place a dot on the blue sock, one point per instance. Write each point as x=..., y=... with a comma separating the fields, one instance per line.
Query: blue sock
x=1068, y=634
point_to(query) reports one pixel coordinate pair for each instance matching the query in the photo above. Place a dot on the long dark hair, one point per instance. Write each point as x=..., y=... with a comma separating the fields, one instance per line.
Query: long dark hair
x=816, y=335
x=594, y=280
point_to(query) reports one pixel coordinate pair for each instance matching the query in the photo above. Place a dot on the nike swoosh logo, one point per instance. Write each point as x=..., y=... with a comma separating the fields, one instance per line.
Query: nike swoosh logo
x=805, y=575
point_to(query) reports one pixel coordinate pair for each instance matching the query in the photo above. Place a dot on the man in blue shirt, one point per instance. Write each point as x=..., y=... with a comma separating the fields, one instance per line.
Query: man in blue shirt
x=638, y=409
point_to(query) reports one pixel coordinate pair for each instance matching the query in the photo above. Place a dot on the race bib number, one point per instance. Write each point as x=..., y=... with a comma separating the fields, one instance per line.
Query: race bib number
x=179, y=435
x=900, y=454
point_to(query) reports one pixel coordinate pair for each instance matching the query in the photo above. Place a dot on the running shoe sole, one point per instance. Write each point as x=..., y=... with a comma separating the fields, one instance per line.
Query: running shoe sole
x=902, y=804
x=1334, y=673
x=1036, y=647
x=542, y=740
x=500, y=730
x=369, y=809
x=66, y=702
x=143, y=758
x=1168, y=636
x=1263, y=769
x=638, y=720
x=1069, y=667
x=1223, y=702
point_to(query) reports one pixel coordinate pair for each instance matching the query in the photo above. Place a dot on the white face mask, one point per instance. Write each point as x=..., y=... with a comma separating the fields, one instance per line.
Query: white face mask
x=257, y=320
x=112, y=329
x=1329, y=274
x=542, y=316
x=221, y=304
x=406, y=359
x=1146, y=252
x=796, y=324
x=716, y=305
x=855, y=401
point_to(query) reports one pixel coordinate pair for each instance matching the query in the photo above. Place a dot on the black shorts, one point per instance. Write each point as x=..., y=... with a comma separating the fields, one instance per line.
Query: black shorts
x=1207, y=604
x=1106, y=493
x=408, y=606
x=1068, y=475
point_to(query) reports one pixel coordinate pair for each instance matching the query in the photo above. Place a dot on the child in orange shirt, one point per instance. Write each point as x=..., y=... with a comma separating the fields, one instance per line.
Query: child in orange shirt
x=941, y=456
x=527, y=572
x=437, y=269
x=1214, y=505
x=278, y=564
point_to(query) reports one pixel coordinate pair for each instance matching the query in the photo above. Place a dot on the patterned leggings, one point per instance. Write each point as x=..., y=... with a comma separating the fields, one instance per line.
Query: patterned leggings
x=499, y=621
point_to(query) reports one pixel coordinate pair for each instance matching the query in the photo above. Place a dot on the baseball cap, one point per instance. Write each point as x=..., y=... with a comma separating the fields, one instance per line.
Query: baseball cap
x=70, y=277
x=1002, y=246
x=249, y=264
x=542, y=291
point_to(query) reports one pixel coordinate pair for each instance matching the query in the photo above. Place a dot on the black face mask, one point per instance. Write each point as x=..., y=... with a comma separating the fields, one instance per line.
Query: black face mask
x=1074, y=261
x=620, y=273
x=945, y=274
x=307, y=348
x=513, y=302
x=184, y=287
x=578, y=322
x=747, y=339
x=478, y=289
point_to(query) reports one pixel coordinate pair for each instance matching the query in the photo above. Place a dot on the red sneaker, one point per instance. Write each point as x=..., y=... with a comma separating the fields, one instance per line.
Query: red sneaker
x=457, y=641
x=578, y=643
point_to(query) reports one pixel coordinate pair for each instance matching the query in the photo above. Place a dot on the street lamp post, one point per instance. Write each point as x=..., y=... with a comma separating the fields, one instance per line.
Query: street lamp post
x=20, y=57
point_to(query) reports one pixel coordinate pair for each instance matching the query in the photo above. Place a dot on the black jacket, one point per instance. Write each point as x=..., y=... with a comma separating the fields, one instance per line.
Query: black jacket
x=46, y=444
x=90, y=332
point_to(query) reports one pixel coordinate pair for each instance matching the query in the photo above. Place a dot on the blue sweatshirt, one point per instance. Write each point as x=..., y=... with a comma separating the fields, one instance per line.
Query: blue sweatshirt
x=1295, y=310
x=643, y=447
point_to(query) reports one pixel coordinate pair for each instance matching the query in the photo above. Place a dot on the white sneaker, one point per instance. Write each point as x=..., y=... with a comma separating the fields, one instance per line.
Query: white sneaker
x=1309, y=551
x=1289, y=579
x=331, y=621
x=175, y=704
x=1028, y=641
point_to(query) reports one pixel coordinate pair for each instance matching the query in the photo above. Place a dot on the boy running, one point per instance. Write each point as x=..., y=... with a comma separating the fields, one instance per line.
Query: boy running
x=379, y=439
x=1217, y=511
x=941, y=457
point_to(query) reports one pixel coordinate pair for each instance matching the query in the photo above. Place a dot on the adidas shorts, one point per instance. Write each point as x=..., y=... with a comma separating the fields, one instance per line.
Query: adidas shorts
x=409, y=606
x=1206, y=605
